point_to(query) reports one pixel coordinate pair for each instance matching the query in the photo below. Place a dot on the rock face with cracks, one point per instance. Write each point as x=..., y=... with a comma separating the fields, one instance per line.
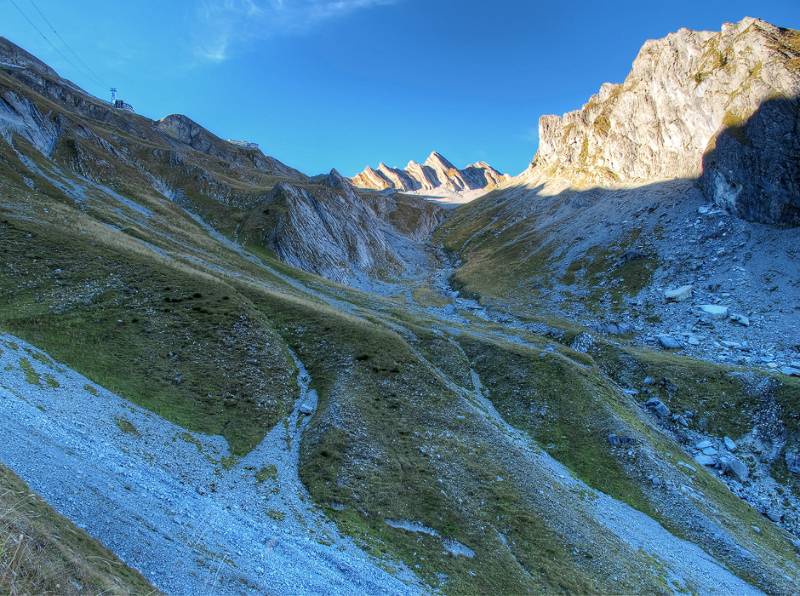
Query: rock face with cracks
x=731, y=93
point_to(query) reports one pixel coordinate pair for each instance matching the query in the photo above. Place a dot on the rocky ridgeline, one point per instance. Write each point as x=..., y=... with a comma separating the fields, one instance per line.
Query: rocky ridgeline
x=437, y=174
x=718, y=106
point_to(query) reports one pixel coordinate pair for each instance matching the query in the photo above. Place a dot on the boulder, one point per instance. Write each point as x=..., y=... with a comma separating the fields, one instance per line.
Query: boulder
x=790, y=371
x=730, y=444
x=620, y=441
x=715, y=311
x=705, y=443
x=678, y=294
x=735, y=467
x=306, y=409
x=741, y=319
x=669, y=343
x=658, y=407
x=705, y=460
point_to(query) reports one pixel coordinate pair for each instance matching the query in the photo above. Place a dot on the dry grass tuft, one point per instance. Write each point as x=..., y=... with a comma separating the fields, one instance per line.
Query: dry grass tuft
x=43, y=553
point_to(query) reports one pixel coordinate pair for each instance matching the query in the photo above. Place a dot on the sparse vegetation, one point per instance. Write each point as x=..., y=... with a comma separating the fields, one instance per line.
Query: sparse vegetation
x=30, y=373
x=127, y=426
x=269, y=472
x=43, y=553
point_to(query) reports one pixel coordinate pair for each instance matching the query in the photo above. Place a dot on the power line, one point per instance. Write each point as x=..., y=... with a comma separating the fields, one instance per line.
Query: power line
x=86, y=67
x=43, y=36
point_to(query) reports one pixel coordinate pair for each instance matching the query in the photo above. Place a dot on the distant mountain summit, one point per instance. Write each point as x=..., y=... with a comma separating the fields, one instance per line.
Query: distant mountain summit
x=436, y=175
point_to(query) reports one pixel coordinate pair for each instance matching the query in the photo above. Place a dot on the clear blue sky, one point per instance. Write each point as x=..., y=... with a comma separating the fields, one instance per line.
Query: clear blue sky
x=346, y=83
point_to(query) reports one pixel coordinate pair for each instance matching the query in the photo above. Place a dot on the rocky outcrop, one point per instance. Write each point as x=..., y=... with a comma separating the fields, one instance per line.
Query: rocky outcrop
x=683, y=93
x=329, y=229
x=436, y=174
x=188, y=132
x=753, y=169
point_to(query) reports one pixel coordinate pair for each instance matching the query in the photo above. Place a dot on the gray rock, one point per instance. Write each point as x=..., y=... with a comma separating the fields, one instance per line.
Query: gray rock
x=789, y=371
x=668, y=342
x=730, y=444
x=306, y=409
x=678, y=294
x=659, y=407
x=620, y=441
x=710, y=451
x=715, y=311
x=753, y=170
x=792, y=458
x=741, y=319
x=703, y=444
x=583, y=342
x=774, y=514
x=705, y=460
x=735, y=467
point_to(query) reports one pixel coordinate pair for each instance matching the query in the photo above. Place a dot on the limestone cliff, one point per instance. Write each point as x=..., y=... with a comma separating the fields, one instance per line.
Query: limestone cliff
x=681, y=93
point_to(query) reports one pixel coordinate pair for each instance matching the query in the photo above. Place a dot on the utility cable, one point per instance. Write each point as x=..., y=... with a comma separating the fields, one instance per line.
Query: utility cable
x=86, y=67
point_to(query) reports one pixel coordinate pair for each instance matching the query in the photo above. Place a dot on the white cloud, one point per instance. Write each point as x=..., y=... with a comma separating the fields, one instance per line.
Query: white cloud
x=225, y=25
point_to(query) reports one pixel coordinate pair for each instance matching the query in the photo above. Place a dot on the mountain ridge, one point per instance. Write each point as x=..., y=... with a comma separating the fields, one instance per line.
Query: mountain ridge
x=436, y=174
x=682, y=92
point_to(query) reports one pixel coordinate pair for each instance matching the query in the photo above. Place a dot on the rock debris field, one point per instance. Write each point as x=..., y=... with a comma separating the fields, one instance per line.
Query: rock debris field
x=173, y=504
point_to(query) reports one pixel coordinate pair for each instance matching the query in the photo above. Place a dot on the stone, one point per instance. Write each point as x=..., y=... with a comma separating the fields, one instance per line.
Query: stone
x=306, y=409
x=774, y=514
x=659, y=407
x=741, y=319
x=648, y=380
x=730, y=444
x=735, y=467
x=715, y=311
x=792, y=459
x=789, y=371
x=678, y=294
x=669, y=343
x=620, y=441
x=705, y=443
x=705, y=460
x=756, y=529
x=710, y=451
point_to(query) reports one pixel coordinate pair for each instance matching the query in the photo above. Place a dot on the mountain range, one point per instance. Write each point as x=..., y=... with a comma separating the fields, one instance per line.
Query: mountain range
x=223, y=375
x=436, y=176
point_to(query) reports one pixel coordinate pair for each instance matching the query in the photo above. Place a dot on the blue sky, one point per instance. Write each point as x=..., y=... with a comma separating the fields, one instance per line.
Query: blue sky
x=346, y=83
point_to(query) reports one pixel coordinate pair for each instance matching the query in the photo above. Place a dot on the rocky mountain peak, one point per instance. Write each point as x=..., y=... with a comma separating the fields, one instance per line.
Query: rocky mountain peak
x=436, y=175
x=682, y=92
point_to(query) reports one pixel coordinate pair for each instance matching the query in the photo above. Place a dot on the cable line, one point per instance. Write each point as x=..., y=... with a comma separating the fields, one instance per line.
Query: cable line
x=43, y=36
x=86, y=67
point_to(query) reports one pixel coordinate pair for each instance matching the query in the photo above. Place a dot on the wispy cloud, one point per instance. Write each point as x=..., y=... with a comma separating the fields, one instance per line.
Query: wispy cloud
x=227, y=25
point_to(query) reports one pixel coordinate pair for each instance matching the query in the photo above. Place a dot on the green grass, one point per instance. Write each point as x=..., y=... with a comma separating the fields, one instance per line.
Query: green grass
x=269, y=472
x=30, y=373
x=42, y=552
x=127, y=426
x=159, y=336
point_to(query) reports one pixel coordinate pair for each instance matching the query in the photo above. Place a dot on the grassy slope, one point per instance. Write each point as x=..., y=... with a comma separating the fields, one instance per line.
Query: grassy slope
x=43, y=553
x=199, y=335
